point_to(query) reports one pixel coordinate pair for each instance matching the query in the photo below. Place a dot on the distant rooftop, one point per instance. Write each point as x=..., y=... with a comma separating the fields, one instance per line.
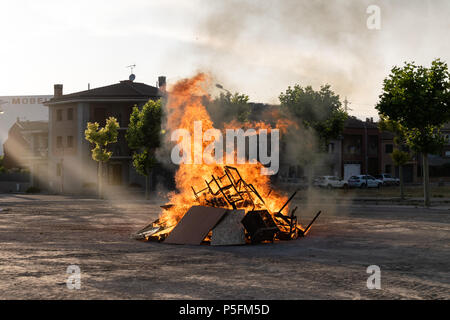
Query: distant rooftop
x=353, y=122
x=33, y=125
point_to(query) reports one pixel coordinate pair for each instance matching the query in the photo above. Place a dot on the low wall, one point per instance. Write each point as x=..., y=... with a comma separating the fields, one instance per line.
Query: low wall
x=12, y=186
x=15, y=177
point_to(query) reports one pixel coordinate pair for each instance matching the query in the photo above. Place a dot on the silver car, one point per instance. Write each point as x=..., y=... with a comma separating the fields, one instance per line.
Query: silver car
x=364, y=181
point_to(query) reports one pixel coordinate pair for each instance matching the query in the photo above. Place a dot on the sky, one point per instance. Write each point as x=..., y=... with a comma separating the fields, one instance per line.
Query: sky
x=254, y=47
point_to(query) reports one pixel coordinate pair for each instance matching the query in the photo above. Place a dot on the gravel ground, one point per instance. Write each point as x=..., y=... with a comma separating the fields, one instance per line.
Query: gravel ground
x=42, y=235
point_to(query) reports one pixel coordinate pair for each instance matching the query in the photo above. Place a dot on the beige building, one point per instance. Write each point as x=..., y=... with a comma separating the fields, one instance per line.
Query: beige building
x=71, y=168
x=26, y=149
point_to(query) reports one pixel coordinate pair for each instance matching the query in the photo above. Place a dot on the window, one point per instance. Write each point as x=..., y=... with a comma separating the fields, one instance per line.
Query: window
x=69, y=141
x=352, y=144
x=388, y=168
x=59, y=115
x=388, y=148
x=70, y=114
x=372, y=145
x=59, y=143
x=58, y=169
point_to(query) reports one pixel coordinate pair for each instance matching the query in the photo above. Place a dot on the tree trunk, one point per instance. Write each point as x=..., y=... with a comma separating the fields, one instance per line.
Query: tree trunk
x=147, y=187
x=100, y=180
x=402, y=188
x=426, y=181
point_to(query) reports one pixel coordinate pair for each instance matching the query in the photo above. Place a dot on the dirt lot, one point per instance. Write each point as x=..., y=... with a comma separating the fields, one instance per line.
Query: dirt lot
x=41, y=236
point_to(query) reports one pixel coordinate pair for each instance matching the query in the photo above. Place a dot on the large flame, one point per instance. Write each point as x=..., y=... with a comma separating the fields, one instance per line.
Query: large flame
x=184, y=106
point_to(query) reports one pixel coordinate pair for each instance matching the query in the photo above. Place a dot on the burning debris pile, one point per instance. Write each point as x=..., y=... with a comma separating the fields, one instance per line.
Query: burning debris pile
x=229, y=212
x=216, y=204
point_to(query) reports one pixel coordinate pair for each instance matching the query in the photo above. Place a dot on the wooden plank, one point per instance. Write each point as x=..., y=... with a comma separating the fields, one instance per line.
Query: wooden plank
x=195, y=225
x=229, y=231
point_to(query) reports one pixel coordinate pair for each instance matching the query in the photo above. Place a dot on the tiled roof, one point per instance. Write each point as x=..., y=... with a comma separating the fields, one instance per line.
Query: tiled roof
x=122, y=90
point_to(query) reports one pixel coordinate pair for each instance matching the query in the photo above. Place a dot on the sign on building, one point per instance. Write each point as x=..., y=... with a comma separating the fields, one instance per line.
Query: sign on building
x=27, y=107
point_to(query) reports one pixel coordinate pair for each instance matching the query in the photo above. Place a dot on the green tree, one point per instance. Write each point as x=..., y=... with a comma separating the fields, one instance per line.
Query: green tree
x=418, y=99
x=101, y=138
x=399, y=155
x=228, y=107
x=2, y=168
x=143, y=136
x=320, y=110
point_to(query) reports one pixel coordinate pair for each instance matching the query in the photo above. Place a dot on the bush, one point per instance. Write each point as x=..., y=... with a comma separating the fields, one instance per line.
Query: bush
x=2, y=168
x=33, y=190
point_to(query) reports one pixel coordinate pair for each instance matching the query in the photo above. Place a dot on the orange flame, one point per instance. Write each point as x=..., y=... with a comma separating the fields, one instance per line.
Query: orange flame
x=184, y=106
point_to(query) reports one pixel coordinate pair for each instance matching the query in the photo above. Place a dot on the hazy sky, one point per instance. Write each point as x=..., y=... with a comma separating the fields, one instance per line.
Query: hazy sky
x=255, y=47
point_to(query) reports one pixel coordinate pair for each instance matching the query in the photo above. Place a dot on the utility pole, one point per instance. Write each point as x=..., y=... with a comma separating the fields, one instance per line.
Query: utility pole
x=346, y=107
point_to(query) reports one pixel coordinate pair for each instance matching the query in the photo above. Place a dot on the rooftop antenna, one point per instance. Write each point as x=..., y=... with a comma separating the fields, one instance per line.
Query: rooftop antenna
x=132, y=75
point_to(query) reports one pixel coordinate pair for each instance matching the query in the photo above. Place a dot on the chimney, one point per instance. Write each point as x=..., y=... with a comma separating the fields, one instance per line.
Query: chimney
x=57, y=90
x=162, y=83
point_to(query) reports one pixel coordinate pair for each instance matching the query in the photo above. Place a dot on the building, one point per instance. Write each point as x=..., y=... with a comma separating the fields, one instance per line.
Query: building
x=26, y=140
x=71, y=168
x=360, y=148
x=387, y=147
x=26, y=148
x=440, y=163
x=410, y=169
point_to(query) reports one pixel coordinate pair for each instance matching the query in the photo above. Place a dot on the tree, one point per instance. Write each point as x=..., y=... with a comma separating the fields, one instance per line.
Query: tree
x=101, y=138
x=418, y=99
x=143, y=136
x=2, y=168
x=228, y=107
x=320, y=110
x=399, y=155
x=400, y=158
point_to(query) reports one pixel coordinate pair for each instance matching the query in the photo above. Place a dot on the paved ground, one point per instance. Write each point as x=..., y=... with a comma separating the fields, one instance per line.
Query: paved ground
x=40, y=236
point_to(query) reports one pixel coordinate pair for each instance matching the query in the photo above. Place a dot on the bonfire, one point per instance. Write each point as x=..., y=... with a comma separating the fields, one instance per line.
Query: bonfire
x=214, y=203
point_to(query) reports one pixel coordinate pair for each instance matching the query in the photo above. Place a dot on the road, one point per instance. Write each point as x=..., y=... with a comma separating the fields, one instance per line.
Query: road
x=42, y=235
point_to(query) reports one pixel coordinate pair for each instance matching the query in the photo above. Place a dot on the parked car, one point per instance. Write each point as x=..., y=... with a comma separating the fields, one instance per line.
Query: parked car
x=364, y=181
x=387, y=179
x=330, y=182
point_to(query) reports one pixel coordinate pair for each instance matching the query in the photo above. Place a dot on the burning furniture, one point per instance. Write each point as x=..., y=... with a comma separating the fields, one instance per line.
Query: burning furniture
x=225, y=199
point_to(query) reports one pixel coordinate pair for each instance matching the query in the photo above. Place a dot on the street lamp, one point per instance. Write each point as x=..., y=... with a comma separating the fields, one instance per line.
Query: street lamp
x=218, y=85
